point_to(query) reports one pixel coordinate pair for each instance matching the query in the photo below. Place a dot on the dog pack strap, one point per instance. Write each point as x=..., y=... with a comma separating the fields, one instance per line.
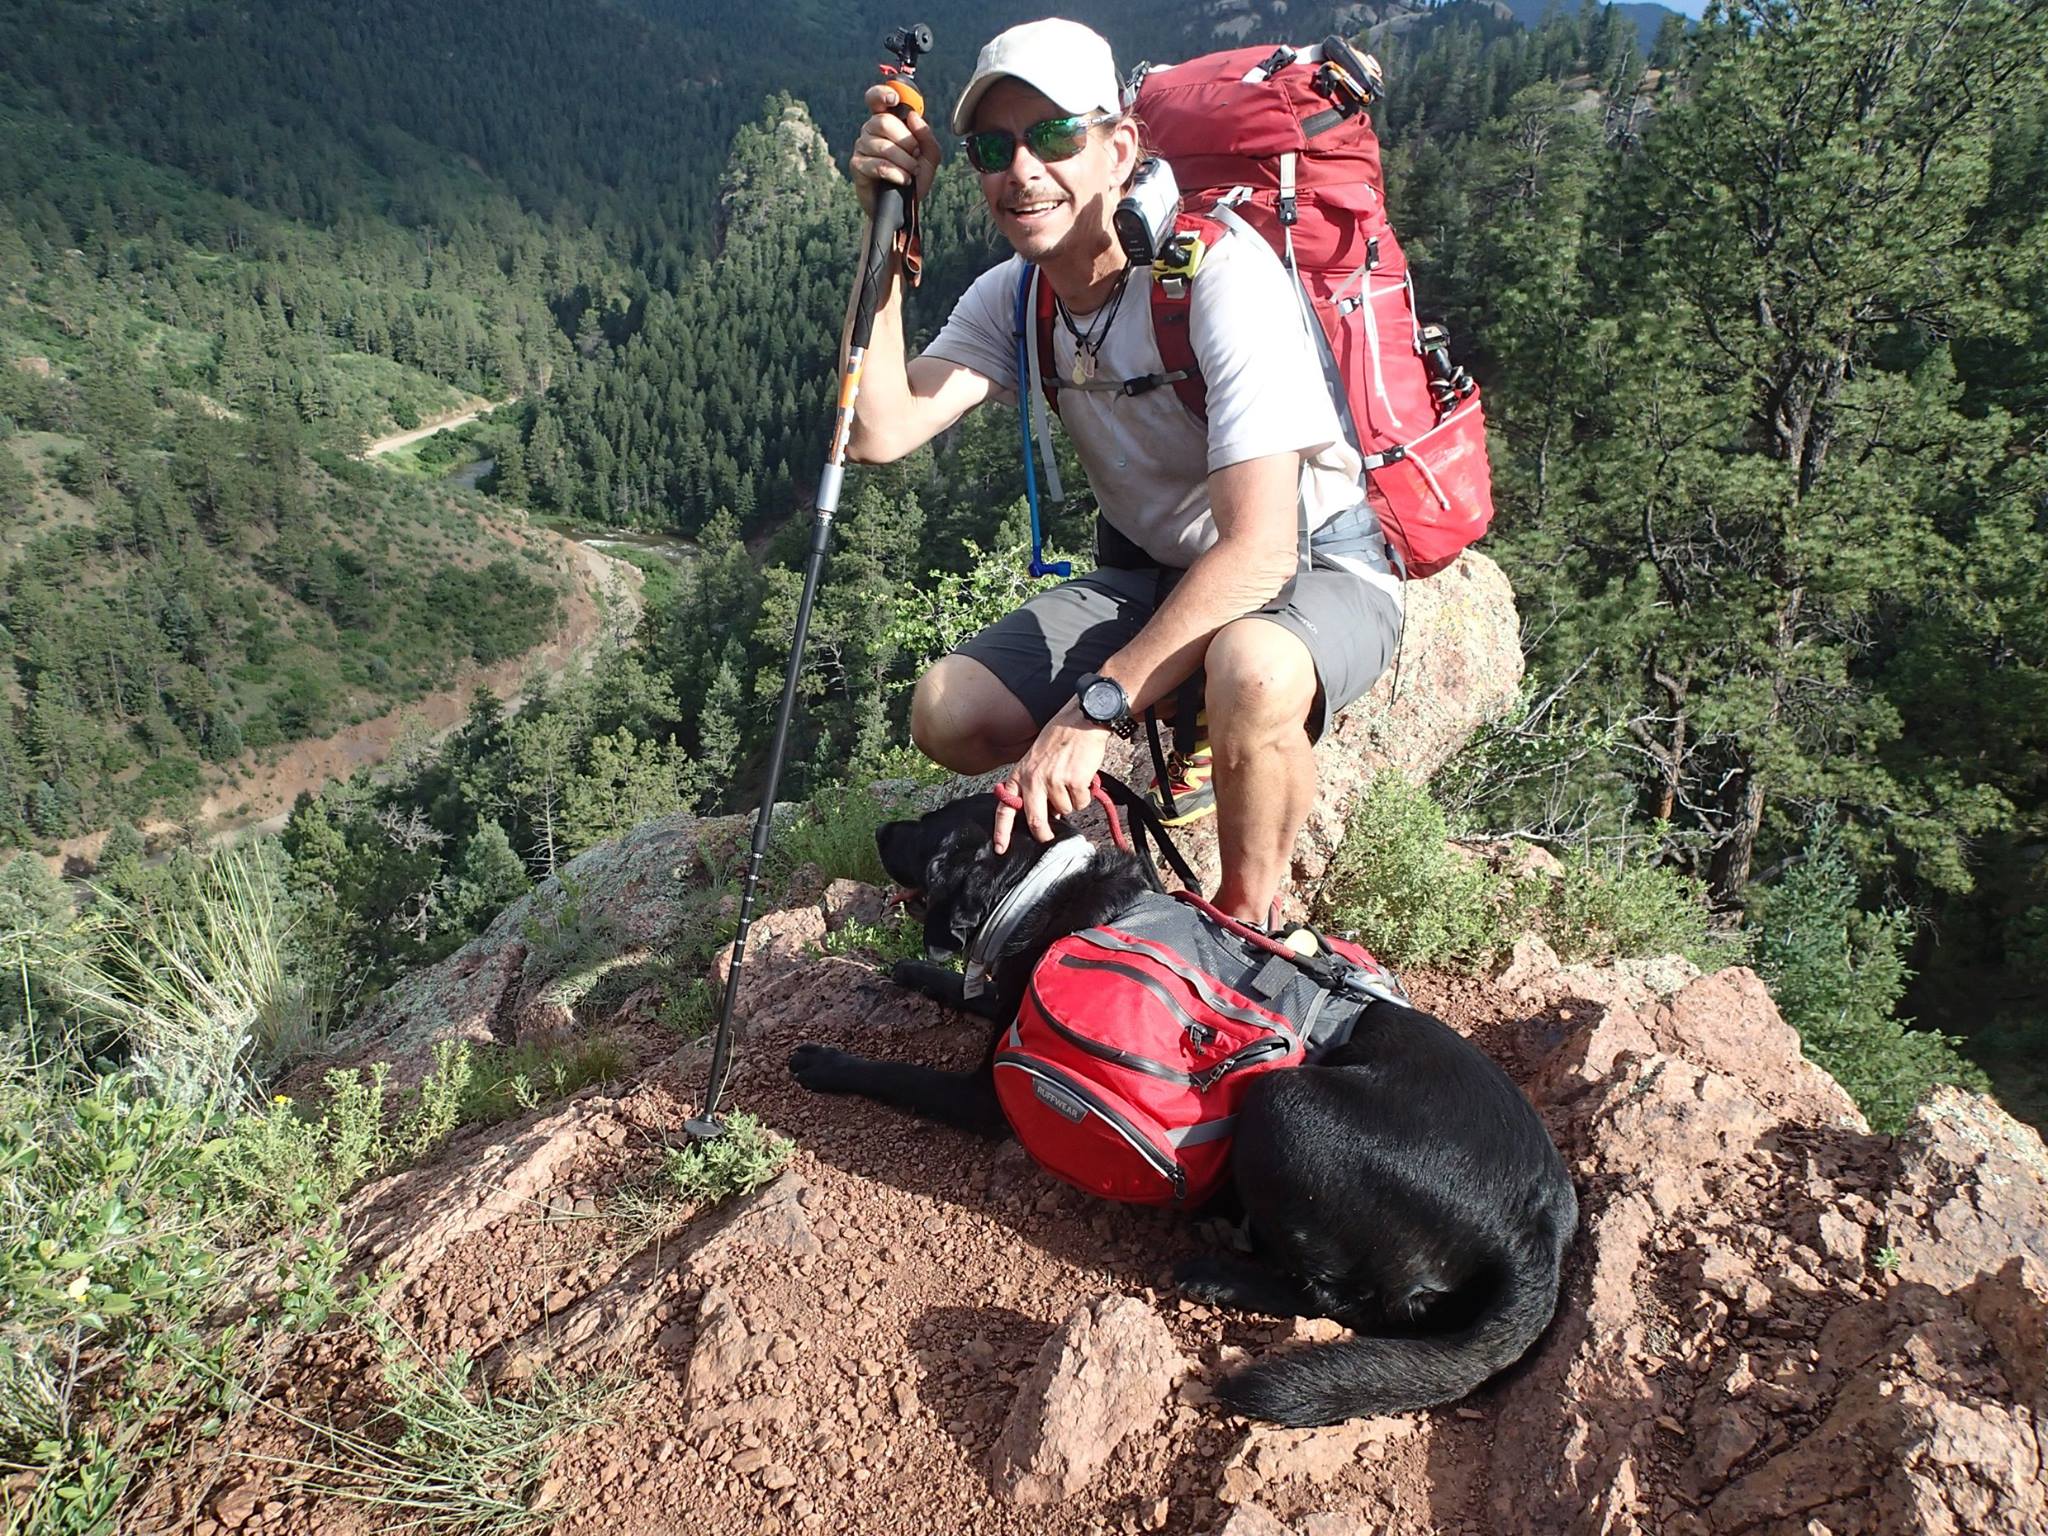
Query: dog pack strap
x=1243, y=930
x=1145, y=820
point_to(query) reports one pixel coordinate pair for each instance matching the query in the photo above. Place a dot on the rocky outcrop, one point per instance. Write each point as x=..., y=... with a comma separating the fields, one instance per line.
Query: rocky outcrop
x=1773, y=1323
x=564, y=958
x=1106, y=1374
x=1776, y=1322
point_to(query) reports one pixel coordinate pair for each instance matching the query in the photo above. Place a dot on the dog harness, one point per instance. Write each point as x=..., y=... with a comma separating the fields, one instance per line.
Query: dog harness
x=1135, y=1041
x=1065, y=857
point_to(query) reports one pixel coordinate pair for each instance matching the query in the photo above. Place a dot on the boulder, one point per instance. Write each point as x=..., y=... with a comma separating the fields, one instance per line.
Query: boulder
x=545, y=957
x=1460, y=667
x=1972, y=1184
x=1106, y=1373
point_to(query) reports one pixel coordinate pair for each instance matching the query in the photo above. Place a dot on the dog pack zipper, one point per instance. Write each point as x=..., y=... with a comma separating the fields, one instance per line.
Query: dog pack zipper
x=1158, y=1161
x=1201, y=1081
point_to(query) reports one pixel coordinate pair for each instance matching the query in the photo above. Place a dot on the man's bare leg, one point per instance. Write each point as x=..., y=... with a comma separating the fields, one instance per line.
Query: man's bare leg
x=1261, y=686
x=963, y=718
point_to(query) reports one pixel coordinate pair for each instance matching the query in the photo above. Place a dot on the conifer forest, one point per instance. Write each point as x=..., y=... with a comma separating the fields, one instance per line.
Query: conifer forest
x=1759, y=303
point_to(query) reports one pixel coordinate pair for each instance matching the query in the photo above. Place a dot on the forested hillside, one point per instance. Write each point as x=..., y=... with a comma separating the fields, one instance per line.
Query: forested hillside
x=1761, y=312
x=1765, y=338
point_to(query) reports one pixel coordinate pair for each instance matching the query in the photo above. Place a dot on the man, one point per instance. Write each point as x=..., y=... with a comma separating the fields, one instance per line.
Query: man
x=1201, y=564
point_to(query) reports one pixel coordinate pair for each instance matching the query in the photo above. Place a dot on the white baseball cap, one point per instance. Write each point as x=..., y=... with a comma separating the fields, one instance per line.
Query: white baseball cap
x=1067, y=63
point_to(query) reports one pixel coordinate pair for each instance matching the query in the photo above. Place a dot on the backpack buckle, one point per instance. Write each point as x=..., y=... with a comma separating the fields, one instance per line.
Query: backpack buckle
x=1276, y=61
x=1178, y=263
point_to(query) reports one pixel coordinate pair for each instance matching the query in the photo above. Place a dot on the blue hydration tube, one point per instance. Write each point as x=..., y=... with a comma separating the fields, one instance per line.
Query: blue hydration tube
x=1027, y=403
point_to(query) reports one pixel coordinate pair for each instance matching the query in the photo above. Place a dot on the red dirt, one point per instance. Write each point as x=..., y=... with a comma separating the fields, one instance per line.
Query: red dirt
x=885, y=1365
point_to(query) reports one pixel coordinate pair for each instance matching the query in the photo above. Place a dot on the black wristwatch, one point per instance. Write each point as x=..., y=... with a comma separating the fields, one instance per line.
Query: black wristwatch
x=1104, y=702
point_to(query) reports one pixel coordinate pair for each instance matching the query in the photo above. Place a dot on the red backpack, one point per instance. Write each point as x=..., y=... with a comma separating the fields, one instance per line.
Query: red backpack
x=1277, y=141
x=1135, y=1043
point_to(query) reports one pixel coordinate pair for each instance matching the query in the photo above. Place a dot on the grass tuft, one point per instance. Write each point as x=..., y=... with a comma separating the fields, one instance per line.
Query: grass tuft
x=204, y=990
x=451, y=1457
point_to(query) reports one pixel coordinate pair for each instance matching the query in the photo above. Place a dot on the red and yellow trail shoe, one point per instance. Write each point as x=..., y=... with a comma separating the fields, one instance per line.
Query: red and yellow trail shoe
x=1186, y=794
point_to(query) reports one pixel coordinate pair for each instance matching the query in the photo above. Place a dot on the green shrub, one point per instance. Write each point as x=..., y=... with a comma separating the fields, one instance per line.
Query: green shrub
x=747, y=1156
x=1838, y=973
x=277, y=1170
x=835, y=830
x=507, y=1081
x=887, y=941
x=1411, y=900
x=564, y=932
x=692, y=1008
x=1605, y=912
x=437, y=1109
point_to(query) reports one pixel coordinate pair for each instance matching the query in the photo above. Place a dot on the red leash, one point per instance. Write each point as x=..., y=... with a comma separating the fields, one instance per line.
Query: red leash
x=1096, y=792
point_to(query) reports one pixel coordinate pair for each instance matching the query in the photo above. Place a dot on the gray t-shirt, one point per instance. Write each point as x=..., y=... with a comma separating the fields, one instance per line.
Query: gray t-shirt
x=1148, y=458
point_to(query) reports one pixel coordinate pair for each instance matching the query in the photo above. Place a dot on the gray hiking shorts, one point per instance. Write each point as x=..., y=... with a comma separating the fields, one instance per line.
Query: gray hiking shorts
x=1042, y=651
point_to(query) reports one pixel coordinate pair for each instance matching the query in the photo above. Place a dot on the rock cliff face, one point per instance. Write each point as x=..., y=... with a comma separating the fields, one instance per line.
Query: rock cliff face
x=1774, y=1323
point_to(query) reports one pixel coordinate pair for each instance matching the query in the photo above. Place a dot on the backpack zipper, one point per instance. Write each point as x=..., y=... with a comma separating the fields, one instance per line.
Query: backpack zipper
x=1244, y=1056
x=1154, y=1158
x=1110, y=1053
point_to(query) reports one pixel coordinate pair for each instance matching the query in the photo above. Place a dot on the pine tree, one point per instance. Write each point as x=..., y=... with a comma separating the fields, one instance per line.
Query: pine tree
x=509, y=482
x=491, y=878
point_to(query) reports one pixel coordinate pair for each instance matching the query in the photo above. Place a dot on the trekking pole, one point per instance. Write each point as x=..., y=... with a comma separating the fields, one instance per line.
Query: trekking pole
x=894, y=210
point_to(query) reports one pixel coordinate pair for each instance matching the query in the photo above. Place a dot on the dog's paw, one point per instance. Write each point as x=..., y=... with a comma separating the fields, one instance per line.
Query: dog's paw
x=1224, y=1281
x=821, y=1068
x=1209, y=1279
x=911, y=974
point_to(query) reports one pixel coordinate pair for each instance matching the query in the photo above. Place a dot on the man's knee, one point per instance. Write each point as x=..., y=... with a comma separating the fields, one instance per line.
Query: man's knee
x=1260, y=676
x=963, y=718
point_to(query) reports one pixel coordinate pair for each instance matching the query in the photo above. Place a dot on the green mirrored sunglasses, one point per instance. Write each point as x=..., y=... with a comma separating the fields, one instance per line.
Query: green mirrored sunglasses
x=1057, y=138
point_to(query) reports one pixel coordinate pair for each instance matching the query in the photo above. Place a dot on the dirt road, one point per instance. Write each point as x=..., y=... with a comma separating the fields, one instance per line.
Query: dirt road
x=442, y=423
x=264, y=796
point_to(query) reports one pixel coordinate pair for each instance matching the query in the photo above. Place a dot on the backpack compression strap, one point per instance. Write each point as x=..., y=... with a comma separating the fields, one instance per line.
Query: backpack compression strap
x=1171, y=304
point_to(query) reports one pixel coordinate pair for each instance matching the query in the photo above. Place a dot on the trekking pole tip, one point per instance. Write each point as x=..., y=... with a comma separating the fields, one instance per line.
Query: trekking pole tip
x=704, y=1128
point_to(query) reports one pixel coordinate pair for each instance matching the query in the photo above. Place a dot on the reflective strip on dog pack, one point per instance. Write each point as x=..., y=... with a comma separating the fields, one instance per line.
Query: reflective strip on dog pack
x=1134, y=1044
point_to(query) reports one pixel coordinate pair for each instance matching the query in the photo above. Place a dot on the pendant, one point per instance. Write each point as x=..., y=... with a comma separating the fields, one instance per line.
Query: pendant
x=1083, y=369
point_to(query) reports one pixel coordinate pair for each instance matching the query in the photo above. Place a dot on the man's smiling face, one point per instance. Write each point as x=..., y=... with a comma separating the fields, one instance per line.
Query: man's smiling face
x=1040, y=206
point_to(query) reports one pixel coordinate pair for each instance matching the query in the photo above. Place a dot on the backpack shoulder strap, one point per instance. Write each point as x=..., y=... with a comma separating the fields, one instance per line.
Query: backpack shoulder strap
x=1044, y=320
x=1172, y=288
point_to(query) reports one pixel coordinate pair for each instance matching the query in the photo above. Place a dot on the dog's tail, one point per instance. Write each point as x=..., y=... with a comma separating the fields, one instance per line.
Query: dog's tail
x=1360, y=1376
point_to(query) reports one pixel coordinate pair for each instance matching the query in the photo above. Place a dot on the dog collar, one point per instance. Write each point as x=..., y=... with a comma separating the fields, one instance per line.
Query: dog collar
x=1063, y=859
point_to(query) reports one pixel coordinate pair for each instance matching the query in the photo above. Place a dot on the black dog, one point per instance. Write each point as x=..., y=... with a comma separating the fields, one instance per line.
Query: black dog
x=1402, y=1186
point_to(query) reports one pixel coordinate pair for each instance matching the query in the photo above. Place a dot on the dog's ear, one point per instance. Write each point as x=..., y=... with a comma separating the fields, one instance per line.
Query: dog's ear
x=907, y=848
x=902, y=852
x=962, y=884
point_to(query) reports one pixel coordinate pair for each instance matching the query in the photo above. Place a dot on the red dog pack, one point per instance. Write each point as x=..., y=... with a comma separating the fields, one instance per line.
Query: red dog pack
x=1135, y=1042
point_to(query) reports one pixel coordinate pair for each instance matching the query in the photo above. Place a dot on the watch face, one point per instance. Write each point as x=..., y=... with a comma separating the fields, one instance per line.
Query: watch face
x=1102, y=701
